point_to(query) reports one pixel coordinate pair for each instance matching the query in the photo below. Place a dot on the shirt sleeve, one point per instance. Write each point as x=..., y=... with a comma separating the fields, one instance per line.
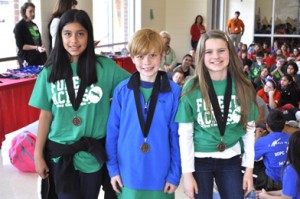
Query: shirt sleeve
x=186, y=131
x=290, y=181
x=249, y=139
x=112, y=135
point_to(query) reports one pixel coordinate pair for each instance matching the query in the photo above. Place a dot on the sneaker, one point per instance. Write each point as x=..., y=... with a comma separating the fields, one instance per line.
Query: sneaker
x=293, y=123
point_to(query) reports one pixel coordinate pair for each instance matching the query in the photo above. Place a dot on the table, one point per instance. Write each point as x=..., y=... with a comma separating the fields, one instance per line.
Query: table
x=15, y=112
x=126, y=63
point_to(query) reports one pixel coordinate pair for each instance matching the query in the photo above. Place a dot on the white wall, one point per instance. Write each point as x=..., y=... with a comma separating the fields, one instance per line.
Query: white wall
x=246, y=8
x=180, y=15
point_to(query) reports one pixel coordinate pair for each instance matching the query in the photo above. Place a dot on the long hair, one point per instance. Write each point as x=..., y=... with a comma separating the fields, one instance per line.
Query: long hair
x=244, y=89
x=201, y=19
x=293, y=153
x=61, y=7
x=59, y=58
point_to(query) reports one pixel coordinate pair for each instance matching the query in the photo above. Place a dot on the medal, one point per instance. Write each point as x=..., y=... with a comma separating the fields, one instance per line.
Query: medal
x=76, y=121
x=221, y=147
x=145, y=148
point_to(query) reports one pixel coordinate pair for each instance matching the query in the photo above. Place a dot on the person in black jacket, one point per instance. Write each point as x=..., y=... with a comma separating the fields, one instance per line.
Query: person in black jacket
x=31, y=50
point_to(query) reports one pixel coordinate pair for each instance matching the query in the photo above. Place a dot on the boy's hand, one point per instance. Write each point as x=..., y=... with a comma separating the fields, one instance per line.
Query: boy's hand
x=116, y=183
x=169, y=188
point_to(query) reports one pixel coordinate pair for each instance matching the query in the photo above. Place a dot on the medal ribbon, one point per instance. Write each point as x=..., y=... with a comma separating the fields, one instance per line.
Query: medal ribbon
x=221, y=118
x=136, y=88
x=71, y=92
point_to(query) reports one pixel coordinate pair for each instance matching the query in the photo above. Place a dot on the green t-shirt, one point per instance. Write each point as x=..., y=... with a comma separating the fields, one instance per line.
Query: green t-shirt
x=207, y=136
x=93, y=110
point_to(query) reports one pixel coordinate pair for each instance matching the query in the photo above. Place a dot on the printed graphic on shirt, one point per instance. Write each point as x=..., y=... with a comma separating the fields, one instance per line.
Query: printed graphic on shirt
x=60, y=97
x=205, y=119
x=277, y=154
x=34, y=32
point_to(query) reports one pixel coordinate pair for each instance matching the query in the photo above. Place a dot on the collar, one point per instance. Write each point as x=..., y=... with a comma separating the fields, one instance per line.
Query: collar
x=164, y=81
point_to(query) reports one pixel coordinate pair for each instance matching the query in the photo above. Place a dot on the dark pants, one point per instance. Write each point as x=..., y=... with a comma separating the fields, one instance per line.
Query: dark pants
x=194, y=44
x=263, y=181
x=89, y=185
x=48, y=186
x=226, y=173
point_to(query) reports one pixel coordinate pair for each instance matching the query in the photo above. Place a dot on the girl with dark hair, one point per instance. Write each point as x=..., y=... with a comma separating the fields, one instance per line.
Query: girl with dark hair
x=217, y=110
x=31, y=50
x=61, y=7
x=292, y=69
x=73, y=92
x=291, y=173
x=290, y=94
x=197, y=29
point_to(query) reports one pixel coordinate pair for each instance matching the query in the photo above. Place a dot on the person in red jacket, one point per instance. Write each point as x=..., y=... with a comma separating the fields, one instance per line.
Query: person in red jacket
x=196, y=30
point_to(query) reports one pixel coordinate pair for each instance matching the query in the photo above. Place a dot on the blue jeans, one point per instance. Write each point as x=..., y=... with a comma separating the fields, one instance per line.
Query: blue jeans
x=226, y=173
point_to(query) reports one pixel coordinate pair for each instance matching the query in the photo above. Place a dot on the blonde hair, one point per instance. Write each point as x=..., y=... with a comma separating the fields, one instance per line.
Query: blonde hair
x=244, y=89
x=144, y=41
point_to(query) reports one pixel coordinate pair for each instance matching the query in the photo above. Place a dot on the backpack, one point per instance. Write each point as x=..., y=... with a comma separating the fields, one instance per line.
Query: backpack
x=22, y=150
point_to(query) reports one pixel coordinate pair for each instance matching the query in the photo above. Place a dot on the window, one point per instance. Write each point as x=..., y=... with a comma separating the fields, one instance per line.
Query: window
x=277, y=20
x=113, y=23
x=9, y=16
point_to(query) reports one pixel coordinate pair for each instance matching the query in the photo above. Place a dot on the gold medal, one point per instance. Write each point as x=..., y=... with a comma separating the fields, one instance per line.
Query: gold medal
x=76, y=121
x=145, y=148
x=221, y=147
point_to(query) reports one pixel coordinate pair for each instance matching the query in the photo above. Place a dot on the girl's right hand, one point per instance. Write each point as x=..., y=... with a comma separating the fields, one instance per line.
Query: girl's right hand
x=41, y=167
x=190, y=185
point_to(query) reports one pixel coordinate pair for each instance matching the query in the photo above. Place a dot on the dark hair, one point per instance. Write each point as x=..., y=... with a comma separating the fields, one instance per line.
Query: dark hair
x=270, y=79
x=294, y=65
x=61, y=7
x=293, y=153
x=237, y=12
x=59, y=58
x=275, y=120
x=200, y=17
x=260, y=54
x=187, y=55
x=24, y=8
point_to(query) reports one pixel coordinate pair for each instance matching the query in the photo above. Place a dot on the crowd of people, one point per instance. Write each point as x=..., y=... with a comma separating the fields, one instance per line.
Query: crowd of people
x=216, y=113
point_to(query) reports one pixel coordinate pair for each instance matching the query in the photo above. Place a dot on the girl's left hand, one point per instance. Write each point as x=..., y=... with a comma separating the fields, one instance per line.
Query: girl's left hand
x=248, y=181
x=169, y=188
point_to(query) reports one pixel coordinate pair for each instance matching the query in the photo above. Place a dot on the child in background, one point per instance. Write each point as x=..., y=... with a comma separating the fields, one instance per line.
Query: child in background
x=186, y=66
x=142, y=136
x=291, y=173
x=209, y=139
x=178, y=77
x=70, y=141
x=270, y=94
x=290, y=94
x=272, y=149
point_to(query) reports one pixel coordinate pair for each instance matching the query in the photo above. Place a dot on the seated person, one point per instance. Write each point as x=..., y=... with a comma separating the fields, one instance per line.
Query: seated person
x=289, y=92
x=272, y=149
x=293, y=117
x=169, y=61
x=290, y=174
x=278, y=69
x=186, y=66
x=178, y=77
x=270, y=94
x=263, y=110
x=256, y=66
x=260, y=81
x=292, y=69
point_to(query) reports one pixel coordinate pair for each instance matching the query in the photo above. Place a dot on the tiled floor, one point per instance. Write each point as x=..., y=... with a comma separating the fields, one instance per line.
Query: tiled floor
x=18, y=185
